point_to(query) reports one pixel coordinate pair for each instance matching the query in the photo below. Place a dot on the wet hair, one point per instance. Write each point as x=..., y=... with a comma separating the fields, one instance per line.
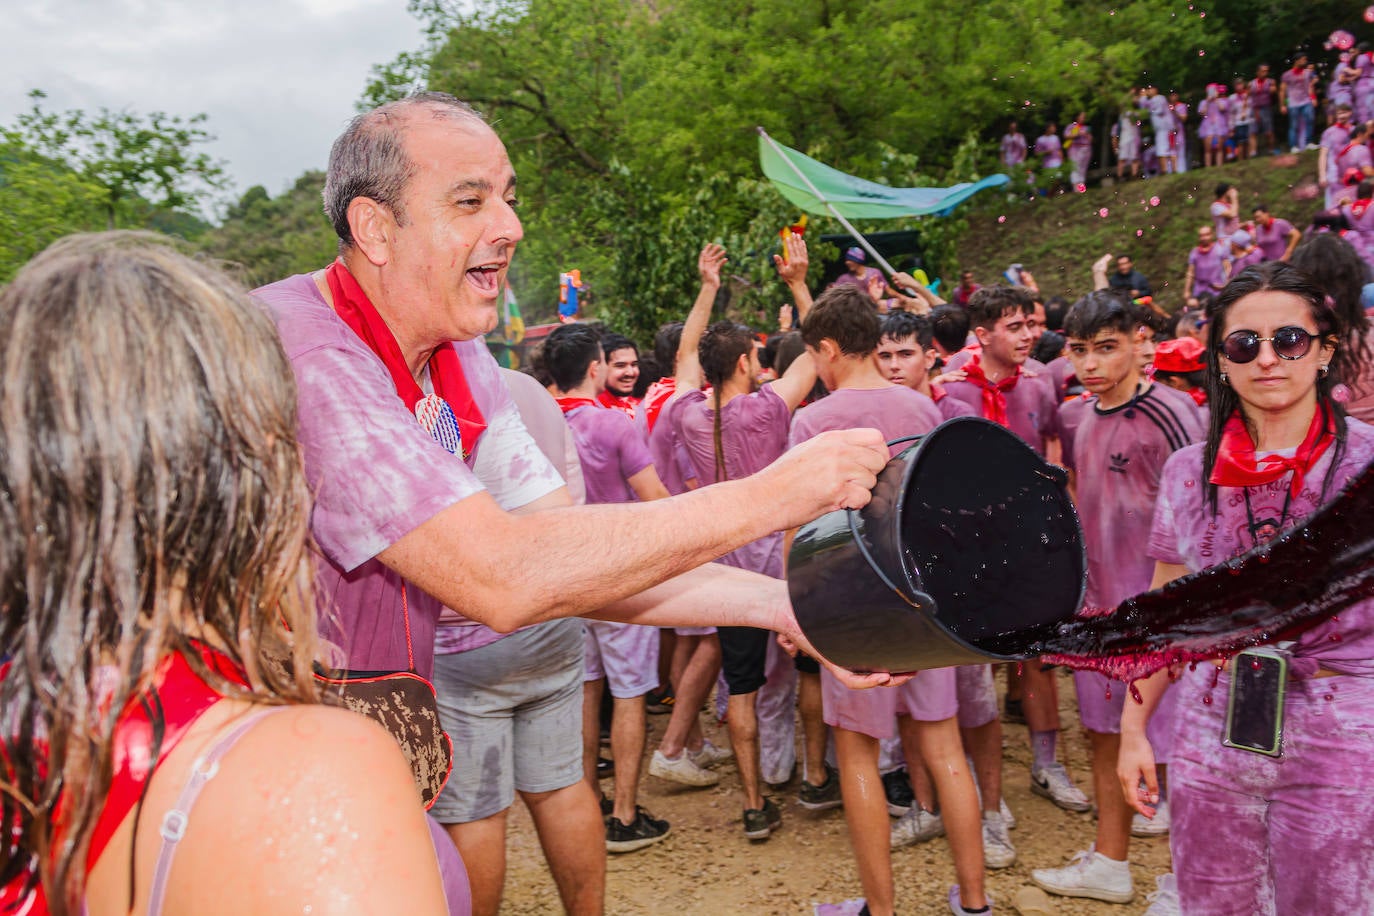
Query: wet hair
x=1049, y=347
x=949, y=326
x=847, y=316
x=991, y=304
x=901, y=325
x=768, y=353
x=1222, y=189
x=1193, y=379
x=1342, y=273
x=1056, y=307
x=1098, y=311
x=790, y=346
x=1222, y=400
x=721, y=347
x=665, y=346
x=369, y=158
x=648, y=374
x=611, y=341
x=152, y=495
x=569, y=351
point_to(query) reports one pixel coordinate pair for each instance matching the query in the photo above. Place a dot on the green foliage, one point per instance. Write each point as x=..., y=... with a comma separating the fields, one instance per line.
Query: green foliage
x=135, y=160
x=267, y=238
x=40, y=202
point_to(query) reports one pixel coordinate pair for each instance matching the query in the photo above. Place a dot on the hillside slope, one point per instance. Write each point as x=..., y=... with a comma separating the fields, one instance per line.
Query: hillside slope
x=1154, y=221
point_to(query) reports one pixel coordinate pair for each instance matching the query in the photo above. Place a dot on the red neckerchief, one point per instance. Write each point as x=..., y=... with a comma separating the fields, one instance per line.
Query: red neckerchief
x=445, y=369
x=616, y=402
x=938, y=392
x=1359, y=207
x=1198, y=395
x=568, y=405
x=994, y=394
x=658, y=394
x=1236, y=465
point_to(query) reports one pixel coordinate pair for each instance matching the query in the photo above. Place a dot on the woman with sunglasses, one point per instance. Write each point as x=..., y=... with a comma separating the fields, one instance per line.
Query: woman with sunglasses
x=1256, y=834
x=162, y=744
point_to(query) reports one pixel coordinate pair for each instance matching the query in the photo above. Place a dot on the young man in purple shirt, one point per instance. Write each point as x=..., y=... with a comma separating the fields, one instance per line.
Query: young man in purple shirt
x=1263, y=90
x=1295, y=100
x=1275, y=237
x=1116, y=457
x=616, y=468
x=906, y=354
x=1208, y=267
x=999, y=390
x=841, y=335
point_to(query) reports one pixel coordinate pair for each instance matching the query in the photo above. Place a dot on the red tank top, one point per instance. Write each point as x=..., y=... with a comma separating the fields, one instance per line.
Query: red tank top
x=159, y=717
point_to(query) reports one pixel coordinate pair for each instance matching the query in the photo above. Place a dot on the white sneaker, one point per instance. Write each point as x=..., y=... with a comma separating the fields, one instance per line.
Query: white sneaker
x=1007, y=817
x=1152, y=826
x=916, y=826
x=681, y=769
x=1092, y=875
x=997, y=849
x=710, y=756
x=1164, y=900
x=1053, y=782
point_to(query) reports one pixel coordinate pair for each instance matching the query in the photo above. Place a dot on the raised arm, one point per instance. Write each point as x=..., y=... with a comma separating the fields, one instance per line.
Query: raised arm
x=688, y=369
x=792, y=269
x=1100, y=271
x=905, y=281
x=1294, y=237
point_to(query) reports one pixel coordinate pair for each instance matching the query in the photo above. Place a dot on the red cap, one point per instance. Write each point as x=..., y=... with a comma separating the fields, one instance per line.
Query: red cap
x=1183, y=354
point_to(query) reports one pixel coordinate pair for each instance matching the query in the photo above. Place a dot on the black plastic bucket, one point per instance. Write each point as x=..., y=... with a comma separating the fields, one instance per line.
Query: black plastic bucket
x=969, y=551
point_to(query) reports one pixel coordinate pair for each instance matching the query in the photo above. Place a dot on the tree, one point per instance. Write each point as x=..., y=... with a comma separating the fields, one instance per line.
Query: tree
x=266, y=238
x=150, y=158
x=39, y=203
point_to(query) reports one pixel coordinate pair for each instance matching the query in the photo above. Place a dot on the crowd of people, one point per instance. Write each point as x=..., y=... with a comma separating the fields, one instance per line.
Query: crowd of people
x=231, y=516
x=1157, y=133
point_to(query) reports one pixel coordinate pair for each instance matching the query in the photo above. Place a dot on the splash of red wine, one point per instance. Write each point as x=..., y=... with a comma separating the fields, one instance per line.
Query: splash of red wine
x=1272, y=593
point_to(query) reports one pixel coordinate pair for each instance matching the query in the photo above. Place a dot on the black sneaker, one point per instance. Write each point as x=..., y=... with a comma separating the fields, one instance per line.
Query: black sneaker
x=605, y=769
x=759, y=823
x=659, y=702
x=897, y=788
x=607, y=806
x=644, y=830
x=824, y=796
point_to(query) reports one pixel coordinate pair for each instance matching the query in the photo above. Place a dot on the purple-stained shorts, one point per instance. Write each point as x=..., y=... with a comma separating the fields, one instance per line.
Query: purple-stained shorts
x=1292, y=835
x=625, y=654
x=1101, y=700
x=451, y=870
x=977, y=694
x=931, y=696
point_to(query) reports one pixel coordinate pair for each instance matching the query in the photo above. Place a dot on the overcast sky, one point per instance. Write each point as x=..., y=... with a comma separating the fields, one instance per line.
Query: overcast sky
x=278, y=78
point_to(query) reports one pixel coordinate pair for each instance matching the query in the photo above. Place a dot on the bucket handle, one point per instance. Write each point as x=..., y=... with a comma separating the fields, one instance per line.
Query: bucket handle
x=852, y=514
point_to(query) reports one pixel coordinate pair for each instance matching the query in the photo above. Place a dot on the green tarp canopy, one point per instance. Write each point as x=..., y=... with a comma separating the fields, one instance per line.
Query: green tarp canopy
x=852, y=197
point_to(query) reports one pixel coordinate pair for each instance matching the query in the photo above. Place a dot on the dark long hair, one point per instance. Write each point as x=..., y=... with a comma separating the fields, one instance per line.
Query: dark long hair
x=1222, y=400
x=151, y=495
x=721, y=347
x=1342, y=273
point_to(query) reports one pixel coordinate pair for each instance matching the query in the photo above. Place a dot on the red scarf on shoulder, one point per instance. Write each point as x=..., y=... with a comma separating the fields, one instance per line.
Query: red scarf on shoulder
x=1236, y=465
x=994, y=393
x=451, y=389
x=568, y=405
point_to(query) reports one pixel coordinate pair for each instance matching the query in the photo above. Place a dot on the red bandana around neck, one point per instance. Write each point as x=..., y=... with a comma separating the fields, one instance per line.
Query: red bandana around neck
x=568, y=405
x=451, y=389
x=1236, y=465
x=994, y=393
x=616, y=402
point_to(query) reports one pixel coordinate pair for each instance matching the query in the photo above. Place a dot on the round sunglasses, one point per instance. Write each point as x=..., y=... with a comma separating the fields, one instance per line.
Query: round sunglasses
x=1289, y=343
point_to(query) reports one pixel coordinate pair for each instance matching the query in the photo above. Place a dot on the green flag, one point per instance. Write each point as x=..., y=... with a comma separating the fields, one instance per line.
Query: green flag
x=790, y=172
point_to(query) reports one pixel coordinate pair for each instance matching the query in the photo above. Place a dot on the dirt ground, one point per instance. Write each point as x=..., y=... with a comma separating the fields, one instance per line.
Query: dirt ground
x=706, y=865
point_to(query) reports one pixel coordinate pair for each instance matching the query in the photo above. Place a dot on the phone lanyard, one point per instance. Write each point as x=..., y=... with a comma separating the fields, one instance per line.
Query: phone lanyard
x=1250, y=513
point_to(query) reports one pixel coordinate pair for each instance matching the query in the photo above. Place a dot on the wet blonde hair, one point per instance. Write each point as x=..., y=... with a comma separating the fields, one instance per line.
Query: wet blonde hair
x=151, y=495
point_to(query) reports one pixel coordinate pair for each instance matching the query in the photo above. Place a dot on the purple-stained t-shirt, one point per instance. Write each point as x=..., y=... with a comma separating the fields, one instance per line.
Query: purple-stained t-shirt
x=1118, y=457
x=753, y=433
x=1013, y=149
x=1209, y=269
x=1361, y=404
x=895, y=411
x=610, y=450
x=377, y=475
x=1032, y=413
x=670, y=457
x=1262, y=92
x=1226, y=226
x=1071, y=413
x=1249, y=259
x=1273, y=239
x=544, y=421
x=1297, y=86
x=1060, y=371
x=950, y=407
x=1050, y=152
x=1188, y=534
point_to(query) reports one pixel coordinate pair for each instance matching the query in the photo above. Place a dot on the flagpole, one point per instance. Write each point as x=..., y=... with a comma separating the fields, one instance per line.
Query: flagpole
x=863, y=242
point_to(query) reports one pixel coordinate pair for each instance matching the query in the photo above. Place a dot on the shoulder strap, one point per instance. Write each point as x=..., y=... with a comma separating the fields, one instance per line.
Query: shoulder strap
x=175, y=821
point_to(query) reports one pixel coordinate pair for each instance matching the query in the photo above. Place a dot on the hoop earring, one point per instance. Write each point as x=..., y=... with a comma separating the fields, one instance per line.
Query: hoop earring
x=1323, y=369
x=1224, y=379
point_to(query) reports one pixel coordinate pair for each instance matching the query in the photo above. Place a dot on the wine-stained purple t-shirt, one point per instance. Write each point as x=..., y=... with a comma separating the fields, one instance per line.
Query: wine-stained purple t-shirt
x=753, y=433
x=1118, y=457
x=1032, y=412
x=1188, y=534
x=896, y=411
x=610, y=450
x=376, y=475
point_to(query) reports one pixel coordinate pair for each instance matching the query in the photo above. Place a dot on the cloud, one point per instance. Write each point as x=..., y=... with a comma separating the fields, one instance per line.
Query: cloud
x=278, y=78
